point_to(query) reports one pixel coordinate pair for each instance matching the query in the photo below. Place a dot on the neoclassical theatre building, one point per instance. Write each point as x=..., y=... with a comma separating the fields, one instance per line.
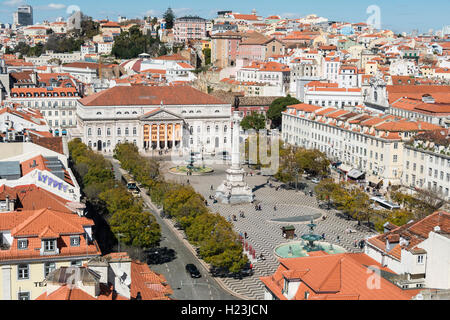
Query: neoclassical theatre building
x=154, y=118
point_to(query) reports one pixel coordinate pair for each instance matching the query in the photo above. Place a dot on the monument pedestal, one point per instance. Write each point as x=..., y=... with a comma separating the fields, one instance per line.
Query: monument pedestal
x=234, y=190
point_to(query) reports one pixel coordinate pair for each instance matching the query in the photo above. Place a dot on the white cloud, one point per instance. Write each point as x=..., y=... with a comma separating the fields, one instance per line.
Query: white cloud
x=13, y=3
x=182, y=11
x=291, y=15
x=152, y=13
x=56, y=6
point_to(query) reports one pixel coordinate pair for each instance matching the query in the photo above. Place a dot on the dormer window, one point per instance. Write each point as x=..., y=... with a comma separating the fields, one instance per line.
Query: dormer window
x=75, y=241
x=286, y=286
x=420, y=259
x=22, y=244
x=49, y=245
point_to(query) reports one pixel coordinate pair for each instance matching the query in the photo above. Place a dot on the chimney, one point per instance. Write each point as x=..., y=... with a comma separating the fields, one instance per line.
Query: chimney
x=7, y=202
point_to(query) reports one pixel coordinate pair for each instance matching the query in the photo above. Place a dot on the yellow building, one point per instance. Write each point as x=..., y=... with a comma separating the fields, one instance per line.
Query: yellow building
x=34, y=243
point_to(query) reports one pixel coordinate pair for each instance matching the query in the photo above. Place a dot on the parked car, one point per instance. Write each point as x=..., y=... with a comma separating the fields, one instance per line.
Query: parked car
x=315, y=180
x=193, y=271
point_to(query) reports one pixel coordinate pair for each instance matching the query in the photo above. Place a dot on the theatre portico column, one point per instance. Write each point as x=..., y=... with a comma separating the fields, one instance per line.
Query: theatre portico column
x=173, y=135
x=165, y=136
x=158, y=146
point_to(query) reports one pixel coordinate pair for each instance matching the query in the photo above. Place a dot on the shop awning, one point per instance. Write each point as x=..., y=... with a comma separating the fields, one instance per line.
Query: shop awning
x=355, y=174
x=344, y=168
x=374, y=180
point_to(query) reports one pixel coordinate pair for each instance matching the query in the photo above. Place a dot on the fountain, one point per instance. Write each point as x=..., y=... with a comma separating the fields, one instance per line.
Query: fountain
x=190, y=168
x=310, y=243
x=311, y=238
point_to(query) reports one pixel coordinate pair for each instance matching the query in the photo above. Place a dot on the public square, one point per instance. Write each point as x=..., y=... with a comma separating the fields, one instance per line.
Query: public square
x=264, y=234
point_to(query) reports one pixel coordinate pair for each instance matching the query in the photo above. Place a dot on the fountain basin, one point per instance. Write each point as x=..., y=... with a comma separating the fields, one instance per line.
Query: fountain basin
x=196, y=171
x=301, y=249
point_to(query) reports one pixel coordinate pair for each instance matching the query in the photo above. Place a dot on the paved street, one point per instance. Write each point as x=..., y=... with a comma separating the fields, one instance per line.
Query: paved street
x=264, y=234
x=185, y=288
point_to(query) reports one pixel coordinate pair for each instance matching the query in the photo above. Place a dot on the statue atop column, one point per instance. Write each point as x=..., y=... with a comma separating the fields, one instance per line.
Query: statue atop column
x=234, y=190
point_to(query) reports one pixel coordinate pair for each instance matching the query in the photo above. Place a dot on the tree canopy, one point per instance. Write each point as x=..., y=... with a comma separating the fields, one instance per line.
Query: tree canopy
x=277, y=107
x=130, y=44
x=125, y=214
x=298, y=160
x=254, y=121
x=169, y=17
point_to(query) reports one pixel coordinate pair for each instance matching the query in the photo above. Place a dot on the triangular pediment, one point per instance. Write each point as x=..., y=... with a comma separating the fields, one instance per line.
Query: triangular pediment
x=161, y=115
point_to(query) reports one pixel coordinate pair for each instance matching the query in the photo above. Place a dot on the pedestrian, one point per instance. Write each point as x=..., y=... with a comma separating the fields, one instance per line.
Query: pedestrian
x=260, y=209
x=187, y=181
x=212, y=187
x=245, y=235
x=355, y=244
x=323, y=236
x=275, y=208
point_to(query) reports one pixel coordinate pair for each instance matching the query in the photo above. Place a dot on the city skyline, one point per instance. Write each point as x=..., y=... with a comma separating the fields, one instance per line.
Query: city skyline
x=394, y=16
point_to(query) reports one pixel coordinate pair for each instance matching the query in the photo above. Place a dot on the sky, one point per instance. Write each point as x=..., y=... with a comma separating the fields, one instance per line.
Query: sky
x=397, y=15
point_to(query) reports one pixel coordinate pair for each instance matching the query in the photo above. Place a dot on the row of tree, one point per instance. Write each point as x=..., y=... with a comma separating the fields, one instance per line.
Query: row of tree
x=296, y=161
x=214, y=236
x=354, y=202
x=124, y=214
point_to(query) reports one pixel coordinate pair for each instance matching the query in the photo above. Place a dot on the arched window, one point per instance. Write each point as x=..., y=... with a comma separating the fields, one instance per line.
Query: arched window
x=225, y=129
x=217, y=129
x=99, y=132
x=108, y=132
x=89, y=144
x=119, y=131
x=191, y=130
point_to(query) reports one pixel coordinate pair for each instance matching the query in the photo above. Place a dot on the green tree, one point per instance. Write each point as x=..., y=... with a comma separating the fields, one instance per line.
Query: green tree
x=325, y=189
x=255, y=121
x=279, y=106
x=129, y=44
x=139, y=229
x=169, y=17
x=207, y=54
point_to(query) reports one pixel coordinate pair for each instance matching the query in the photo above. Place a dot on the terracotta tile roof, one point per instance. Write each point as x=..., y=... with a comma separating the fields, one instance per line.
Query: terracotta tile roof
x=151, y=285
x=439, y=93
x=325, y=111
x=405, y=125
x=67, y=293
x=31, y=224
x=414, y=232
x=31, y=197
x=52, y=143
x=334, y=277
x=305, y=107
x=172, y=57
x=149, y=95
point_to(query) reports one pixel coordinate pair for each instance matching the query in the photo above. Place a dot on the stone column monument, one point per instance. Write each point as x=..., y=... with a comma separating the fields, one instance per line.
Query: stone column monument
x=234, y=190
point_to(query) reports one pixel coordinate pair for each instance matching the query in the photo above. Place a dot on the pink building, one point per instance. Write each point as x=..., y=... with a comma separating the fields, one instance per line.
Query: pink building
x=189, y=28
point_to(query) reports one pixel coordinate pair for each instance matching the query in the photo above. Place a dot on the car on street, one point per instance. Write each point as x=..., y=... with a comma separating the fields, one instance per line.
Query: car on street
x=315, y=180
x=193, y=271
